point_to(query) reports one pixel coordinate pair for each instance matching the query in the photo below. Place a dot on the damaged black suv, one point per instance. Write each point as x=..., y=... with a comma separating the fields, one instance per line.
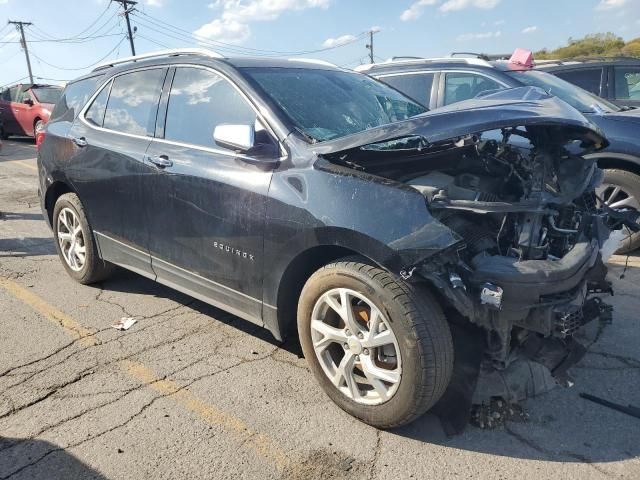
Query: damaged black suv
x=296, y=193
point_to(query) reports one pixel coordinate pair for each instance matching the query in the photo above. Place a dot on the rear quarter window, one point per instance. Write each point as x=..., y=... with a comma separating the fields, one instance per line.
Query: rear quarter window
x=74, y=97
x=414, y=85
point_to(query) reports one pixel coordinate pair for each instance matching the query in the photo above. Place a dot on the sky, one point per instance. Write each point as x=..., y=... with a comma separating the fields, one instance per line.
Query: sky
x=69, y=36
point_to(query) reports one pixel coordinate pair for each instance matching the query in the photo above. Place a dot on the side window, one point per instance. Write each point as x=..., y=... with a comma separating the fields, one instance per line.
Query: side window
x=460, y=86
x=74, y=97
x=5, y=95
x=414, y=85
x=587, y=79
x=133, y=102
x=95, y=114
x=627, y=83
x=15, y=93
x=199, y=101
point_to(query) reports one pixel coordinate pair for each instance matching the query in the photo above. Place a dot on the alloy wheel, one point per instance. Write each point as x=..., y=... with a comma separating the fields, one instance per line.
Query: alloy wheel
x=71, y=239
x=356, y=346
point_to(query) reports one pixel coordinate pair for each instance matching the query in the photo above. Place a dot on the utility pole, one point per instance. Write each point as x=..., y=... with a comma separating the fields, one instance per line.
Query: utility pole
x=20, y=26
x=125, y=5
x=370, y=44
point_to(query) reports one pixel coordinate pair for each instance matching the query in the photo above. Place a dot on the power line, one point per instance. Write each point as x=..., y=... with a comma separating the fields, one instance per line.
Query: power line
x=85, y=30
x=13, y=82
x=183, y=35
x=20, y=26
x=81, y=68
x=66, y=41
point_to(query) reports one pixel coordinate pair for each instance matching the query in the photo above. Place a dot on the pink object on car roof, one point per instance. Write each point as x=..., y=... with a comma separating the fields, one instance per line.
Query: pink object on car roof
x=522, y=57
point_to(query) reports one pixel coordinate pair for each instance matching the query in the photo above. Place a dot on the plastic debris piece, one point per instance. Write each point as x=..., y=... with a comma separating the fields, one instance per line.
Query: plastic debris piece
x=125, y=323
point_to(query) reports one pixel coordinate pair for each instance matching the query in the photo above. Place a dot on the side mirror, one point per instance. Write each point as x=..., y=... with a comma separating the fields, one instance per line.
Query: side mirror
x=28, y=101
x=241, y=138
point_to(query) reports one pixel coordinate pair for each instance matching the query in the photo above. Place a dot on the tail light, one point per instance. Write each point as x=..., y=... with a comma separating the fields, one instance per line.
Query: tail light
x=40, y=134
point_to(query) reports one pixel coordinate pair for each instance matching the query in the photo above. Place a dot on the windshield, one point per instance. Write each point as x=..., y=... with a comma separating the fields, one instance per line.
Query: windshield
x=578, y=98
x=47, y=94
x=328, y=104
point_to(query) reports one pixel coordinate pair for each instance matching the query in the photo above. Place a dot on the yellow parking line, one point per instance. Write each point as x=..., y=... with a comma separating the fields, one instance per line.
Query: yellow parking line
x=24, y=164
x=72, y=327
x=261, y=444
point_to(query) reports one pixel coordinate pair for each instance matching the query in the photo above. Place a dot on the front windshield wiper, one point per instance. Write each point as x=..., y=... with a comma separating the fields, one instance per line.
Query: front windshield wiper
x=307, y=137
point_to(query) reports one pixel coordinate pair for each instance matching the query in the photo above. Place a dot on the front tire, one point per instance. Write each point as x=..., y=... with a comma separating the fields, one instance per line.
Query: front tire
x=621, y=188
x=38, y=126
x=75, y=242
x=380, y=348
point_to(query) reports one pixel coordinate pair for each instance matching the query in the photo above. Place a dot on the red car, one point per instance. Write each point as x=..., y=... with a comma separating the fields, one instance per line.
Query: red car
x=25, y=108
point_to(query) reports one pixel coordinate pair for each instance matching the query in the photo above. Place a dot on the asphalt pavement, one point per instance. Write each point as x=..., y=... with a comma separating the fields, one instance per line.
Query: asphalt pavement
x=192, y=392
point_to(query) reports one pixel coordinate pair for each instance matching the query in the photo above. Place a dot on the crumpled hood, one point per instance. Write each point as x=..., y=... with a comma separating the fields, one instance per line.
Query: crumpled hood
x=522, y=106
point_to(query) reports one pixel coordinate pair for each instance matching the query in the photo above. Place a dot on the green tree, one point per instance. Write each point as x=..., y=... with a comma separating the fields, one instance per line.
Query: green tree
x=593, y=45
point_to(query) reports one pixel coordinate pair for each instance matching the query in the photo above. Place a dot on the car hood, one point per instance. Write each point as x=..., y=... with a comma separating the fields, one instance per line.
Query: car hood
x=522, y=106
x=631, y=116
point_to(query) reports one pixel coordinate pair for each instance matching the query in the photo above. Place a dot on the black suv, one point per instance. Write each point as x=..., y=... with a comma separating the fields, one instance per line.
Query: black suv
x=445, y=81
x=616, y=79
x=295, y=192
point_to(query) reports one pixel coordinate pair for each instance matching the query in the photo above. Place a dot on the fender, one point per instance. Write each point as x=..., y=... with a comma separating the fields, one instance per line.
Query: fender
x=312, y=210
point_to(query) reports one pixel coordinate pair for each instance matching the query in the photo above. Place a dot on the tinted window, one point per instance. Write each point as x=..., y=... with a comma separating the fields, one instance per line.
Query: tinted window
x=133, y=102
x=47, y=94
x=74, y=97
x=14, y=93
x=95, y=114
x=326, y=104
x=627, y=83
x=199, y=101
x=414, y=85
x=587, y=79
x=464, y=86
x=576, y=97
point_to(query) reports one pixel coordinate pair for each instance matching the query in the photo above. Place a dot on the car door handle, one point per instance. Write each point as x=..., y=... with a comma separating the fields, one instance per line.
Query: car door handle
x=80, y=141
x=160, y=161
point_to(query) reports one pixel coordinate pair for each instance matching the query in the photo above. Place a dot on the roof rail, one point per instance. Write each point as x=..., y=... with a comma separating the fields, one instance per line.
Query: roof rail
x=314, y=61
x=481, y=56
x=158, y=54
x=410, y=60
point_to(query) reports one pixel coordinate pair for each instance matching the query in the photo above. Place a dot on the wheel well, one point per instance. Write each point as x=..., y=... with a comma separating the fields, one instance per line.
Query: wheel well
x=296, y=275
x=55, y=191
x=619, y=164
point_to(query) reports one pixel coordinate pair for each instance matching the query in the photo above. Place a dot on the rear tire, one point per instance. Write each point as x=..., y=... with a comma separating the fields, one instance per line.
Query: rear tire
x=629, y=184
x=421, y=333
x=39, y=125
x=75, y=242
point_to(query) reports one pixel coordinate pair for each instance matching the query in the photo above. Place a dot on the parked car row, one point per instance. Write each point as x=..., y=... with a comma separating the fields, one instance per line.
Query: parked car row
x=436, y=83
x=312, y=199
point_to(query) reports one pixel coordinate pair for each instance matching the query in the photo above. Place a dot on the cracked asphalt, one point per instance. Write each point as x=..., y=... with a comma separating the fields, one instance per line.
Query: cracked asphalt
x=193, y=392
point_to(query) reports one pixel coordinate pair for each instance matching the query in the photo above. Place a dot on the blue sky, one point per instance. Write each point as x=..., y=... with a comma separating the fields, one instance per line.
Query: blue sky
x=271, y=27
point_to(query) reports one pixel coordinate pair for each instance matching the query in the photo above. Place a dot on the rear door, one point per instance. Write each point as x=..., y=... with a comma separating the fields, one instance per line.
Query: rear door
x=207, y=203
x=108, y=170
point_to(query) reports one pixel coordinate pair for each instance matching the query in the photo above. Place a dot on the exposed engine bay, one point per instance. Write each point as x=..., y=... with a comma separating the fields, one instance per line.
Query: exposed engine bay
x=528, y=269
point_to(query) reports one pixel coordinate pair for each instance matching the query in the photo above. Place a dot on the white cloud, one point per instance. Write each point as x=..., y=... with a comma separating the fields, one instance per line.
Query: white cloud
x=415, y=10
x=341, y=40
x=452, y=5
x=478, y=36
x=499, y=22
x=610, y=4
x=531, y=29
x=153, y=3
x=233, y=23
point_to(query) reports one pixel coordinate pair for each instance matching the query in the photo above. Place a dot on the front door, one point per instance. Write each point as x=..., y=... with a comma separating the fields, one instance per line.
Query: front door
x=108, y=168
x=206, y=204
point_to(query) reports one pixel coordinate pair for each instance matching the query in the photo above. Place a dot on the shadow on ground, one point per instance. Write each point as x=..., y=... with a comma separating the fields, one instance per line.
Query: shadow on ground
x=57, y=464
